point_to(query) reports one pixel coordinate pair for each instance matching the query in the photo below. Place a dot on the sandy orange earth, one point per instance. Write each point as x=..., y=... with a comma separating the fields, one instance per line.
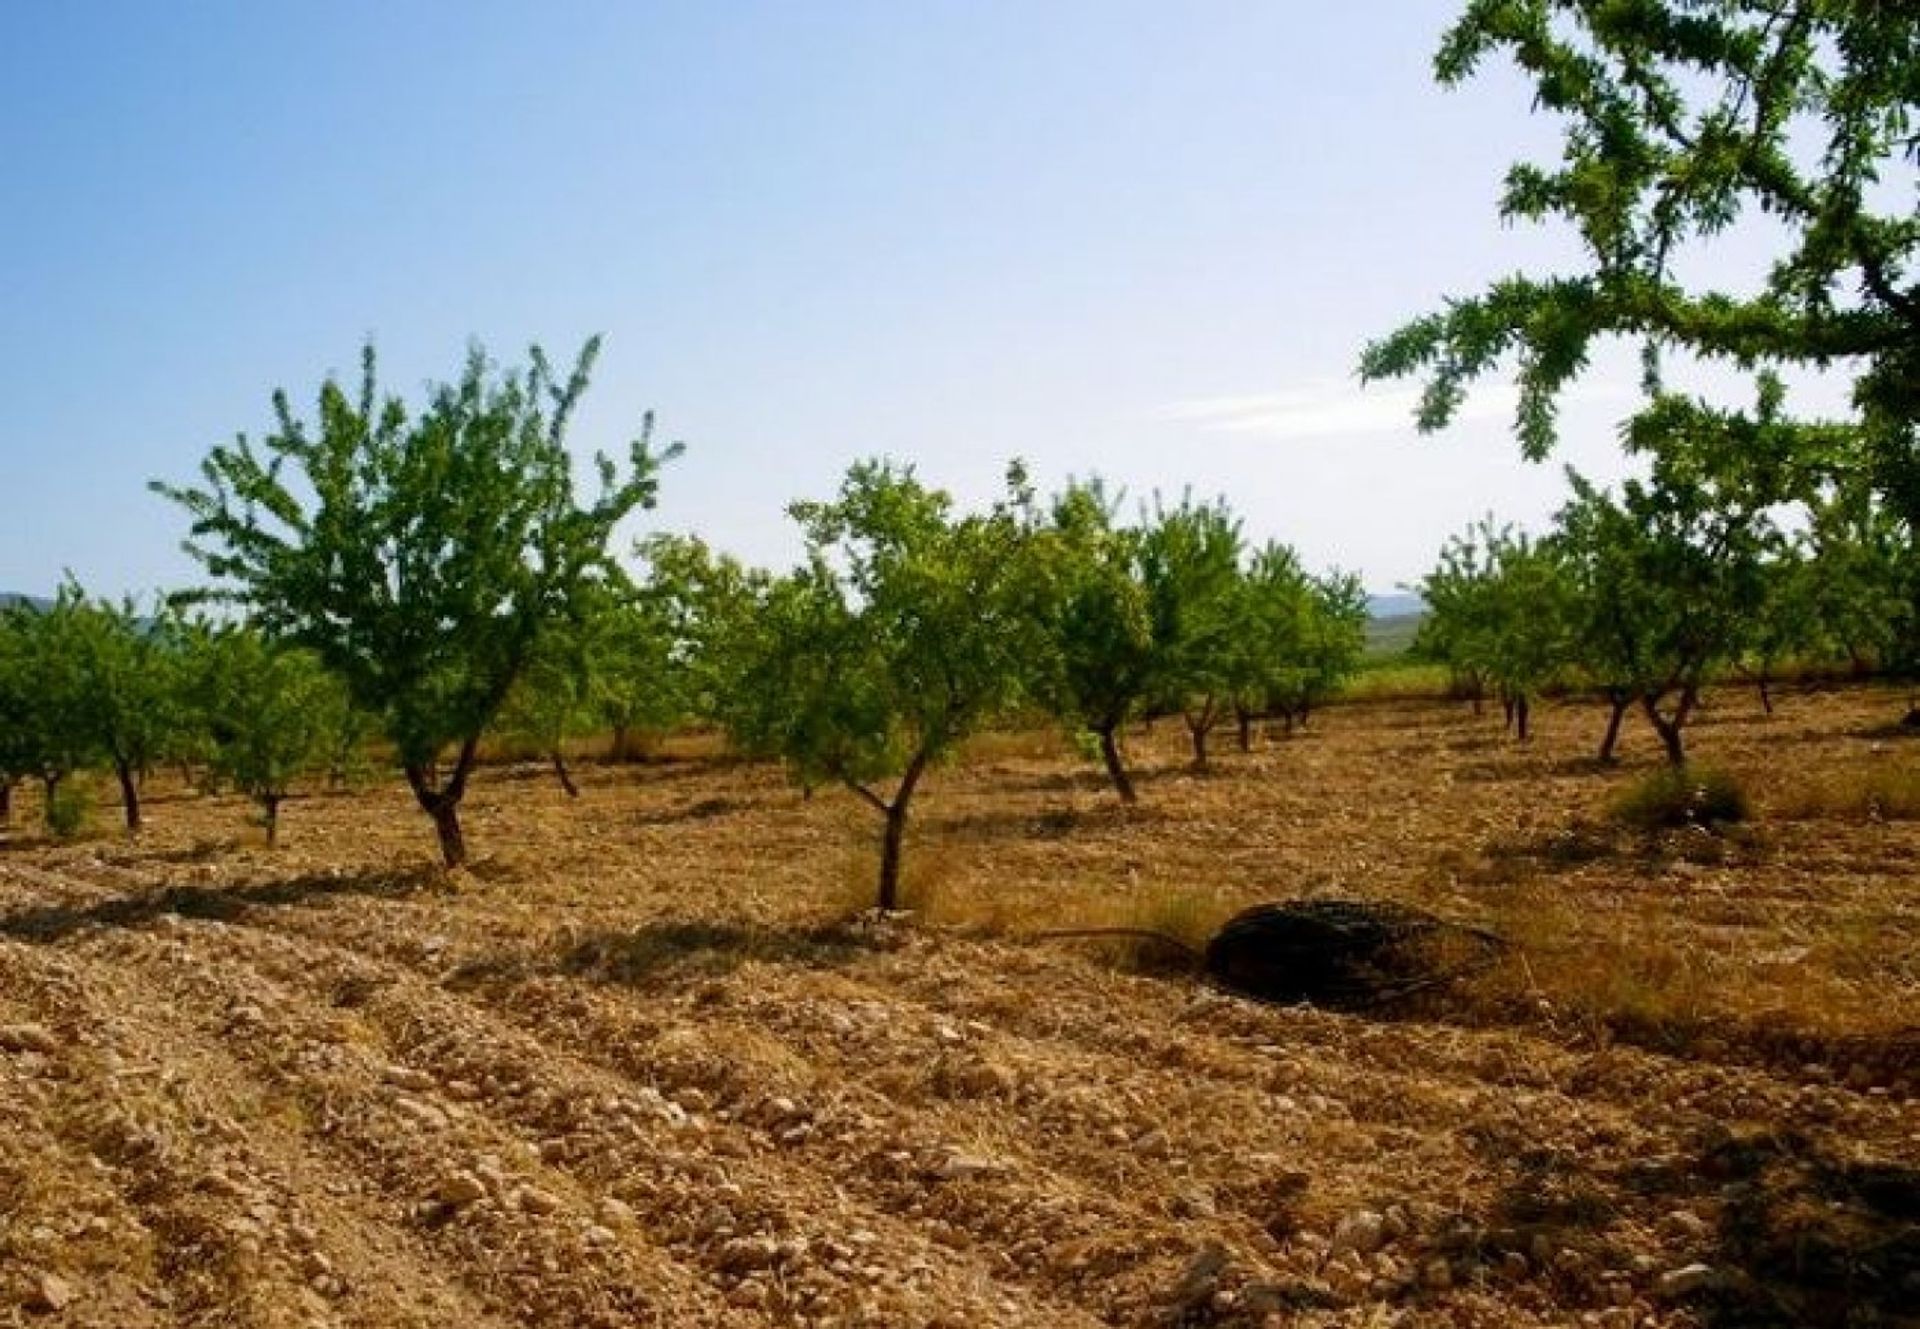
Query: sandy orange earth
x=637, y=1068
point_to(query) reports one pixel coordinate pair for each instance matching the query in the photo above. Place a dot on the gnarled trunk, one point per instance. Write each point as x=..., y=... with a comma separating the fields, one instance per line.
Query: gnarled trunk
x=1669, y=727
x=1244, y=719
x=270, y=814
x=1522, y=715
x=442, y=802
x=6, y=802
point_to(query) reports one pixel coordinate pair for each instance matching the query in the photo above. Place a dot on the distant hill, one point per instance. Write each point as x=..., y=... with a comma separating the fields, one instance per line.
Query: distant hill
x=1391, y=622
x=8, y=599
x=1395, y=604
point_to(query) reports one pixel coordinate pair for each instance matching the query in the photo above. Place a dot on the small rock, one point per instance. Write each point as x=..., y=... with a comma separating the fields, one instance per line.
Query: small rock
x=51, y=1294
x=28, y=1038
x=406, y=1077
x=963, y=1167
x=747, y=1253
x=1363, y=1231
x=615, y=1212
x=1685, y=1281
x=1436, y=1275
x=533, y=1200
x=461, y=1188
x=595, y=1235
x=1153, y=1144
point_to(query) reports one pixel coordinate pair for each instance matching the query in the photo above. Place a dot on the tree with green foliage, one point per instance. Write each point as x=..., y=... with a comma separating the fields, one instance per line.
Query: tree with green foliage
x=550, y=703
x=52, y=735
x=19, y=750
x=1678, y=117
x=1098, y=668
x=1860, y=577
x=1680, y=120
x=421, y=553
x=1331, y=648
x=1497, y=611
x=908, y=629
x=1666, y=580
x=1297, y=638
x=107, y=686
x=1190, y=565
x=667, y=660
x=272, y=714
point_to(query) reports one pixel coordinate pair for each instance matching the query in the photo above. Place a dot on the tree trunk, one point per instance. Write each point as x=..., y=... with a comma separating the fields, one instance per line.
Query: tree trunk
x=1522, y=712
x=446, y=823
x=894, y=838
x=619, y=750
x=6, y=802
x=270, y=807
x=566, y=778
x=443, y=803
x=1244, y=719
x=1507, y=708
x=1669, y=727
x=1116, y=769
x=1766, y=696
x=129, y=794
x=1199, y=733
x=1618, y=711
x=890, y=844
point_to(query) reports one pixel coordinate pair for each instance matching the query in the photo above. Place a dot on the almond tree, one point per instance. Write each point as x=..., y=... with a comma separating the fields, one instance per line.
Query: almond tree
x=1666, y=581
x=1098, y=668
x=908, y=629
x=1678, y=119
x=421, y=552
x=272, y=714
x=1190, y=565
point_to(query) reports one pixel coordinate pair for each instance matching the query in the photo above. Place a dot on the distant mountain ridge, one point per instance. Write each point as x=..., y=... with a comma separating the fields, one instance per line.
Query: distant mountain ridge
x=8, y=599
x=1395, y=604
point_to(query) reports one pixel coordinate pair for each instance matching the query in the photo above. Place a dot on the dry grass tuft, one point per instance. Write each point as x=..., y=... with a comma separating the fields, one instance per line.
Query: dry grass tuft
x=1883, y=793
x=1678, y=796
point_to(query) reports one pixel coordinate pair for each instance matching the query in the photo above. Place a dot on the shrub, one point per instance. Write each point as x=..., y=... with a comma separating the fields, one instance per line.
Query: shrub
x=1682, y=796
x=68, y=810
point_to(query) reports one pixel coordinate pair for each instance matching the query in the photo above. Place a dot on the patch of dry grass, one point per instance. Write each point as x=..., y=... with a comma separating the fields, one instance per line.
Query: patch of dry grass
x=1883, y=792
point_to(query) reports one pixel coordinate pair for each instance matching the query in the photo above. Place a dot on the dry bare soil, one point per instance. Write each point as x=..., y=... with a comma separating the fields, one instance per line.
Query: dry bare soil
x=644, y=1065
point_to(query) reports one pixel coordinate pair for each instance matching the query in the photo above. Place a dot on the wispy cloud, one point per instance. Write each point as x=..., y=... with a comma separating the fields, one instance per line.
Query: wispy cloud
x=1334, y=409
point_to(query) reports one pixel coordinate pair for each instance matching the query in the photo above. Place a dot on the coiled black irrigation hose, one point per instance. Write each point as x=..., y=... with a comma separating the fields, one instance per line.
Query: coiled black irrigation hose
x=1343, y=954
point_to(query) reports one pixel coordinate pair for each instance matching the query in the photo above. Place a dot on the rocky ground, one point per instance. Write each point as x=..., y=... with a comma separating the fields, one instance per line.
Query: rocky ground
x=644, y=1064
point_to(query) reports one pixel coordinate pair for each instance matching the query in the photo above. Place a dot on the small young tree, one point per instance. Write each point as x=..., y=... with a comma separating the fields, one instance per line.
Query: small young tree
x=1190, y=566
x=422, y=554
x=1332, y=645
x=907, y=630
x=272, y=714
x=1097, y=669
x=134, y=704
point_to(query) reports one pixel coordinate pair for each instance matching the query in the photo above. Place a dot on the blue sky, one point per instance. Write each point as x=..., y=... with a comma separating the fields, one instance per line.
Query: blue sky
x=1146, y=240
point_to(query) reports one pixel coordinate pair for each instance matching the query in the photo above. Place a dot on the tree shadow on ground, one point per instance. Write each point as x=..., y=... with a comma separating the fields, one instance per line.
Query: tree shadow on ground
x=1804, y=1237
x=225, y=904
x=667, y=953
